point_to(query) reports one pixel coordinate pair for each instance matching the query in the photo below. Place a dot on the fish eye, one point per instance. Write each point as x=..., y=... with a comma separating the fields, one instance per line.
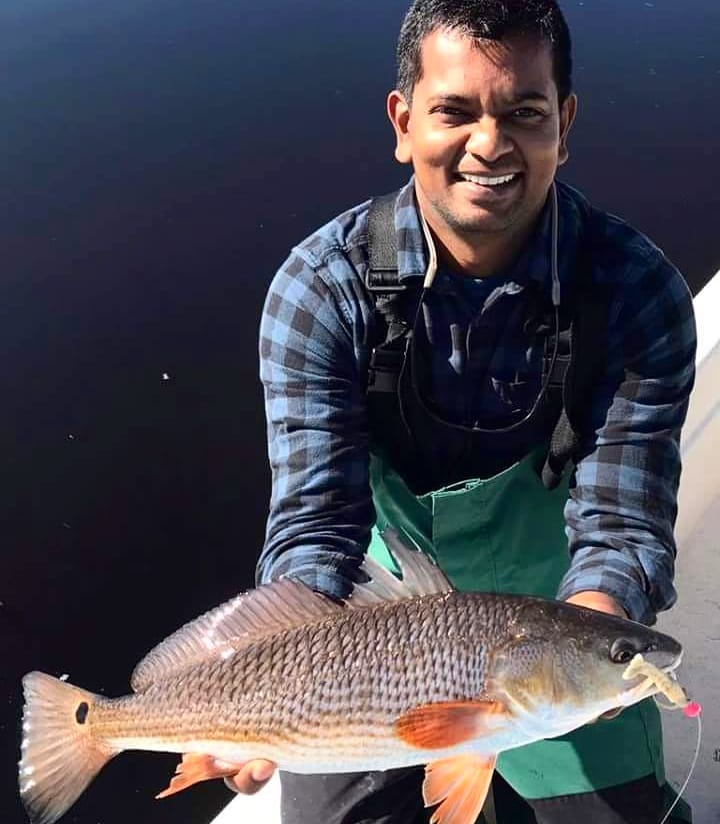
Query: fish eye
x=622, y=651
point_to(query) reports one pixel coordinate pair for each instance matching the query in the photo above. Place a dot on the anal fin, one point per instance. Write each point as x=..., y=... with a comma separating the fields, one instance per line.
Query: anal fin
x=194, y=768
x=460, y=786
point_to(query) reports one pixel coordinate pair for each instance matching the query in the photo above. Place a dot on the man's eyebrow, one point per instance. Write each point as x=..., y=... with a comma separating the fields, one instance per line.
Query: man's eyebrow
x=448, y=98
x=519, y=97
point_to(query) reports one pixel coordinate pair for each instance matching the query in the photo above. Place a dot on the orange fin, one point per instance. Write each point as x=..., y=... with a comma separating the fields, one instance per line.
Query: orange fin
x=436, y=726
x=460, y=786
x=194, y=768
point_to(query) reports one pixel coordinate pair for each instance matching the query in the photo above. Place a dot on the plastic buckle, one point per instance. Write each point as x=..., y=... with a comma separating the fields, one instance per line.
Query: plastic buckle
x=373, y=275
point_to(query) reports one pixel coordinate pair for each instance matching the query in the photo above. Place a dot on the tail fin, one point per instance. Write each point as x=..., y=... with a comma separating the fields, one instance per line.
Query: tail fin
x=60, y=755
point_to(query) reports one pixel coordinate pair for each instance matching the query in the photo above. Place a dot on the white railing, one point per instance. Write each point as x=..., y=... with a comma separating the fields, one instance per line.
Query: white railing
x=262, y=808
x=695, y=620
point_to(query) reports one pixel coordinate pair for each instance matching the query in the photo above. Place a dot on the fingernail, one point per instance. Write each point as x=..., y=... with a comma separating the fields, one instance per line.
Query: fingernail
x=262, y=772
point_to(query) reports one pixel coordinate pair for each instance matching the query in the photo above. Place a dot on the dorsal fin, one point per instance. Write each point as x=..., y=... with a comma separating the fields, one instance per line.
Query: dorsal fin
x=284, y=604
x=420, y=575
x=270, y=608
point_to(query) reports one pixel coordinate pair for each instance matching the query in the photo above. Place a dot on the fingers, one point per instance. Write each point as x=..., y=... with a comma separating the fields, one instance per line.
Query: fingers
x=250, y=777
x=598, y=601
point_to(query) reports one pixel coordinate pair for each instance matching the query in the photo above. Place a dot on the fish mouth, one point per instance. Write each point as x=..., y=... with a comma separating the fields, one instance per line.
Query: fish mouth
x=666, y=660
x=670, y=668
x=650, y=680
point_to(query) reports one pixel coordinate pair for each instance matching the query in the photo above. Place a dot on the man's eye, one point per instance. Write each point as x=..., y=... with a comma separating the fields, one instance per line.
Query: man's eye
x=448, y=111
x=527, y=113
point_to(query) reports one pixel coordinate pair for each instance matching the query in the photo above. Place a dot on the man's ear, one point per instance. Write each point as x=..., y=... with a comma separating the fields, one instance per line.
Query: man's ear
x=567, y=118
x=398, y=110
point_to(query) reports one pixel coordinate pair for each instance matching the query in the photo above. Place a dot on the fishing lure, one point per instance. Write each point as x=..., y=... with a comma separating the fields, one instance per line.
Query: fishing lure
x=667, y=685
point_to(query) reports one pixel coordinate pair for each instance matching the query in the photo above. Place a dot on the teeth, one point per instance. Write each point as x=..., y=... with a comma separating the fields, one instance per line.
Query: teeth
x=480, y=180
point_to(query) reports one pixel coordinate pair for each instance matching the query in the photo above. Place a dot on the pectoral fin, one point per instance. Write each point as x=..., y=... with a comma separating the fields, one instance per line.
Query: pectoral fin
x=459, y=785
x=436, y=726
x=194, y=768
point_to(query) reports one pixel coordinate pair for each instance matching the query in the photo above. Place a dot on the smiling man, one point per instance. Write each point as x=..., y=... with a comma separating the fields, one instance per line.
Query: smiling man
x=484, y=127
x=488, y=364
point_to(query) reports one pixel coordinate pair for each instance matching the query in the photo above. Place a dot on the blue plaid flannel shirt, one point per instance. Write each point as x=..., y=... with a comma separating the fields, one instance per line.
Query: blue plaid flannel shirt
x=314, y=355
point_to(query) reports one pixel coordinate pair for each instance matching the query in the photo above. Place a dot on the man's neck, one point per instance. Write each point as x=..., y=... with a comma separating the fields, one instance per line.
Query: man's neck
x=481, y=257
x=475, y=254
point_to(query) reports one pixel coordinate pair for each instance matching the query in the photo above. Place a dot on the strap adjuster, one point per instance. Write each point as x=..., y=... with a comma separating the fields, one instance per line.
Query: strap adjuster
x=384, y=369
x=384, y=281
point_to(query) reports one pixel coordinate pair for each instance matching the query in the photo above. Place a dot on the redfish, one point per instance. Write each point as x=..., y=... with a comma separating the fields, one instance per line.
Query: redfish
x=407, y=672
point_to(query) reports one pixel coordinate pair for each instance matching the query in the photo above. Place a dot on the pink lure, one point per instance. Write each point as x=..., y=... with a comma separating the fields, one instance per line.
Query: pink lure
x=692, y=710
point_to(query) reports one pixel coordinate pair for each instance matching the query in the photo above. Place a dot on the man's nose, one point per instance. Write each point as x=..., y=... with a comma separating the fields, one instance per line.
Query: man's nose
x=488, y=140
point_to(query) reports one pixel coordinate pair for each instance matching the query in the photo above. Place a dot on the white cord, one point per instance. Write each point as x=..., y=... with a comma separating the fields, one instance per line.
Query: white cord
x=554, y=252
x=692, y=768
x=431, y=270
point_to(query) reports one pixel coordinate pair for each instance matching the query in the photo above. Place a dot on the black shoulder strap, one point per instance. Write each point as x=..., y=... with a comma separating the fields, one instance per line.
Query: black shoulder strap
x=587, y=357
x=383, y=284
x=382, y=275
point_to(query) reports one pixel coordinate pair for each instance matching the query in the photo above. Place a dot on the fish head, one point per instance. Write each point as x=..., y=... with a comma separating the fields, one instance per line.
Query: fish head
x=570, y=661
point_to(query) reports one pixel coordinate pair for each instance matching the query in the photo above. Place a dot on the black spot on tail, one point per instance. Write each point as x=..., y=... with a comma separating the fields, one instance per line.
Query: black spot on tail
x=81, y=712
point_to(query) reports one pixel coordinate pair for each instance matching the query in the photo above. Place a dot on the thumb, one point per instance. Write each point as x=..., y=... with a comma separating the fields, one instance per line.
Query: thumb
x=250, y=777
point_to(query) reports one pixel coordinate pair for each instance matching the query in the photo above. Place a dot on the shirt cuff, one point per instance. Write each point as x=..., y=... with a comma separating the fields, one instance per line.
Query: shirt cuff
x=330, y=574
x=605, y=571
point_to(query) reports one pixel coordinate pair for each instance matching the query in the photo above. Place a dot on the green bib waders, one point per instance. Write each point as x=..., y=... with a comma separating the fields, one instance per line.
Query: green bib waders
x=506, y=534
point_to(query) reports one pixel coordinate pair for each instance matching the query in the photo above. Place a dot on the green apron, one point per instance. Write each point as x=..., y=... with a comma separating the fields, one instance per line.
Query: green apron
x=506, y=534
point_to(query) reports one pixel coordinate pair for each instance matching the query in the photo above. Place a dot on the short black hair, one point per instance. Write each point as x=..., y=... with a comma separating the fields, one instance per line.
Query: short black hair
x=484, y=20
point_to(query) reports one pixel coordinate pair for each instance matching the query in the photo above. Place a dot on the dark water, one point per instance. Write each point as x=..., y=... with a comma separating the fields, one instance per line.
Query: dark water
x=157, y=160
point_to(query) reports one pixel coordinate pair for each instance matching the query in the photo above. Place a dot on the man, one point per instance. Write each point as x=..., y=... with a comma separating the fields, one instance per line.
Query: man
x=424, y=398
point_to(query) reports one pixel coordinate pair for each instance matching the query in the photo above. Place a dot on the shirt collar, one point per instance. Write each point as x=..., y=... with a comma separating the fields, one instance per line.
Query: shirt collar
x=534, y=262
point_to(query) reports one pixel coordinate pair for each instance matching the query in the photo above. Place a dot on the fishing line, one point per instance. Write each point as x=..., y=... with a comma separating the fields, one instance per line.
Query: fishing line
x=694, y=712
x=430, y=273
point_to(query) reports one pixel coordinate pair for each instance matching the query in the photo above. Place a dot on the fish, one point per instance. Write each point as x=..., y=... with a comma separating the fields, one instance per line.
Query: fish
x=407, y=671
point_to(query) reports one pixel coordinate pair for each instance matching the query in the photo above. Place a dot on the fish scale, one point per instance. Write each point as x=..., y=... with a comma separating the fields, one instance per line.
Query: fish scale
x=318, y=675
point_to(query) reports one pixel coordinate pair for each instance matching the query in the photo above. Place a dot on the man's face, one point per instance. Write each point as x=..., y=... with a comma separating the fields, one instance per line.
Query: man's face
x=484, y=132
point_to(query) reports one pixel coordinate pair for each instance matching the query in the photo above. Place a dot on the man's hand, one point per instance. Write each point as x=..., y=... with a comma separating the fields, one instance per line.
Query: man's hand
x=602, y=602
x=250, y=776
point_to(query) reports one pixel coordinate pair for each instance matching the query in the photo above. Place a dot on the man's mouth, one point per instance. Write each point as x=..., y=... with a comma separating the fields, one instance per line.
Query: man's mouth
x=488, y=180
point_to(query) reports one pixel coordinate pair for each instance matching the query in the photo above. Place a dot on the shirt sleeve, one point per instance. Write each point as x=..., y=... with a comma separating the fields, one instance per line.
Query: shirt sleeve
x=622, y=506
x=320, y=509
